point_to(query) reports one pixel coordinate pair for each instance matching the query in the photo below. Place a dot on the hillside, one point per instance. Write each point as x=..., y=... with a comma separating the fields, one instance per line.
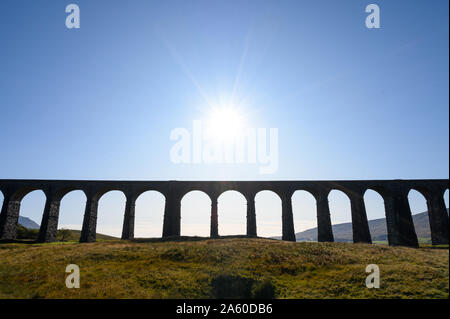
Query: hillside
x=29, y=230
x=28, y=223
x=65, y=235
x=343, y=232
x=234, y=267
x=74, y=235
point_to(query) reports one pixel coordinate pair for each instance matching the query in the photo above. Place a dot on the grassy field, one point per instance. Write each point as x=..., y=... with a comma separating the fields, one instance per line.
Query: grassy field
x=194, y=269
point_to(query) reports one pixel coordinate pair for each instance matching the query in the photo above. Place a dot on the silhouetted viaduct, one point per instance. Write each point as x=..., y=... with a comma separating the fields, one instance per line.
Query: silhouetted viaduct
x=394, y=192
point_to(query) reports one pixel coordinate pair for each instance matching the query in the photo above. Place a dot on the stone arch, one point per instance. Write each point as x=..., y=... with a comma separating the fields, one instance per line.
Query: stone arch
x=3, y=205
x=32, y=204
x=2, y=198
x=19, y=194
x=341, y=215
x=97, y=194
x=111, y=207
x=376, y=214
x=60, y=193
x=183, y=191
x=72, y=207
x=304, y=208
x=149, y=214
x=417, y=199
x=446, y=199
x=195, y=213
x=268, y=206
x=232, y=210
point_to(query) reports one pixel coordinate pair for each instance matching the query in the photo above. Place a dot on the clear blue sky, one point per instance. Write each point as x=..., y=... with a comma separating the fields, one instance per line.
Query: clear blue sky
x=100, y=102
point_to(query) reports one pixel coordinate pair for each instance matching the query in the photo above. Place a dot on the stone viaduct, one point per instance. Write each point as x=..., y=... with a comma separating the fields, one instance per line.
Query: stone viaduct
x=394, y=192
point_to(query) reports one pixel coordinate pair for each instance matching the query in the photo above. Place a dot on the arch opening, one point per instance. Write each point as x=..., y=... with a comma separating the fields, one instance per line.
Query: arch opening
x=30, y=214
x=304, y=209
x=268, y=214
x=195, y=214
x=376, y=216
x=71, y=214
x=2, y=198
x=232, y=212
x=341, y=216
x=419, y=212
x=111, y=208
x=446, y=199
x=149, y=214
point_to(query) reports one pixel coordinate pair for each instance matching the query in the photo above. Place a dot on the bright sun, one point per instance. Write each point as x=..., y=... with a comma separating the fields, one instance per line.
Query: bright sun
x=225, y=124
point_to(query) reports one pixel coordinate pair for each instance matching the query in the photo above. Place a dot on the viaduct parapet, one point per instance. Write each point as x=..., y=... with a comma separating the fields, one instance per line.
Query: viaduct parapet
x=399, y=221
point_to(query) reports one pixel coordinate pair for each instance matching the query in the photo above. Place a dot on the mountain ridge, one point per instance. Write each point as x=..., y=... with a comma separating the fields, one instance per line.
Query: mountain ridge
x=378, y=230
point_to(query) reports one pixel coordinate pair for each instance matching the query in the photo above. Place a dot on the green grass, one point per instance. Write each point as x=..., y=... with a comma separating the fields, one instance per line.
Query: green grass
x=186, y=269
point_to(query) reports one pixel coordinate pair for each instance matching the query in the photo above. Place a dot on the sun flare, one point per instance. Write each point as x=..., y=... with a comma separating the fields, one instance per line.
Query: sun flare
x=224, y=124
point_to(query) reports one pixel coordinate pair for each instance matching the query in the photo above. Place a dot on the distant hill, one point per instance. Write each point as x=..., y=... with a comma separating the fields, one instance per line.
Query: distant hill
x=378, y=230
x=30, y=230
x=24, y=233
x=28, y=223
x=74, y=235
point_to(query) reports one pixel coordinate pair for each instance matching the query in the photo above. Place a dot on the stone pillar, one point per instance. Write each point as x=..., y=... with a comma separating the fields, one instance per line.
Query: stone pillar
x=172, y=217
x=287, y=219
x=324, y=229
x=88, y=232
x=9, y=217
x=399, y=221
x=128, y=219
x=166, y=220
x=438, y=216
x=176, y=222
x=214, y=218
x=251, y=217
x=391, y=221
x=360, y=225
x=49, y=224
